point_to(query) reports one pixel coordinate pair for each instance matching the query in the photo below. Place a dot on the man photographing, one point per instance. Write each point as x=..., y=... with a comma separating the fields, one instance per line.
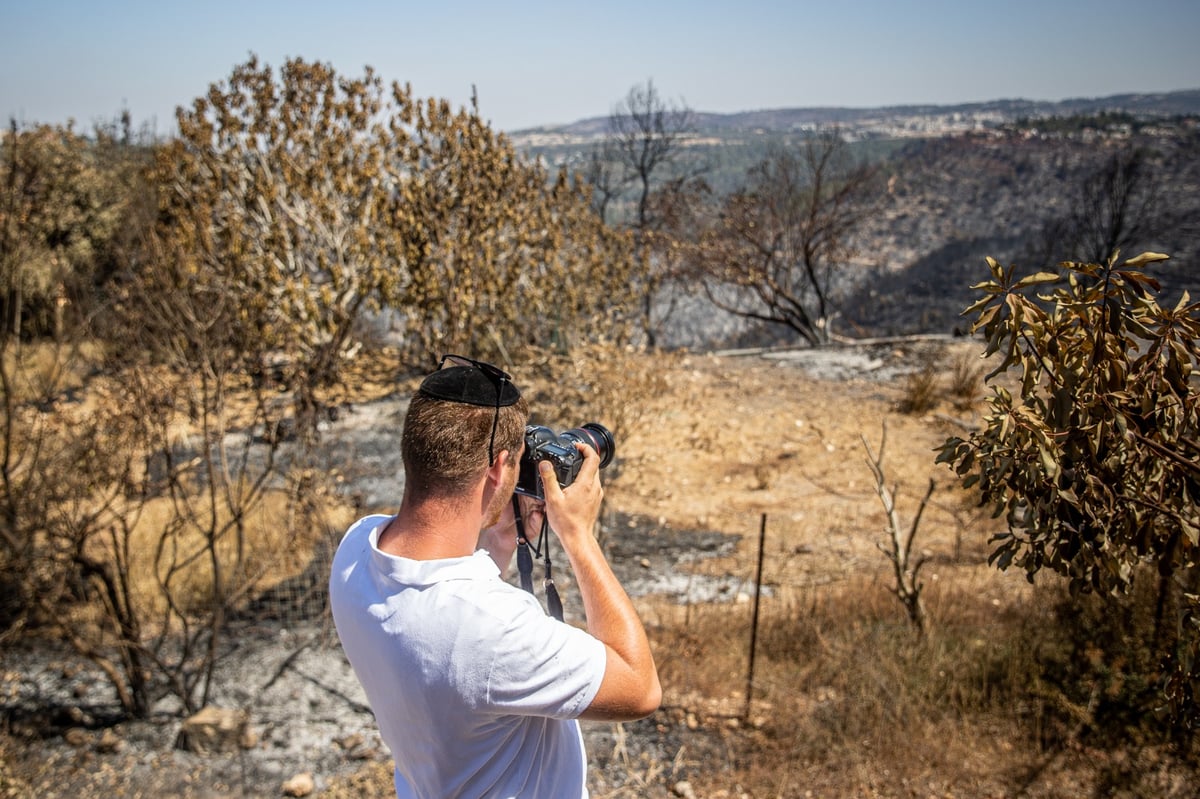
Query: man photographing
x=476, y=690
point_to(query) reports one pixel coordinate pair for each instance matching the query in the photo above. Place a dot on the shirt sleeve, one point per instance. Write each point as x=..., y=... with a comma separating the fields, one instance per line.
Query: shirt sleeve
x=544, y=667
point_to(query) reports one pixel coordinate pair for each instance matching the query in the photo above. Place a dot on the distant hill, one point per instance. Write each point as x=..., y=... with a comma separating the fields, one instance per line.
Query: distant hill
x=788, y=119
x=726, y=145
x=954, y=197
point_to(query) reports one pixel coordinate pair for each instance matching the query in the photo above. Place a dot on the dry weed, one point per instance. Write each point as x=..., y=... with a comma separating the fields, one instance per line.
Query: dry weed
x=921, y=390
x=966, y=380
x=615, y=386
x=271, y=546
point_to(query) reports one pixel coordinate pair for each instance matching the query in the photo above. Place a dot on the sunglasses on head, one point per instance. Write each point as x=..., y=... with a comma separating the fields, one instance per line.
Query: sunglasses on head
x=498, y=377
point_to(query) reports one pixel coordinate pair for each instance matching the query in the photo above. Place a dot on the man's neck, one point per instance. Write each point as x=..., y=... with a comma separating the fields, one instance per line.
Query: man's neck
x=431, y=529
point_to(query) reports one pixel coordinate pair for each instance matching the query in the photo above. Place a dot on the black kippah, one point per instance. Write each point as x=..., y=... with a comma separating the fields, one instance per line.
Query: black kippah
x=469, y=385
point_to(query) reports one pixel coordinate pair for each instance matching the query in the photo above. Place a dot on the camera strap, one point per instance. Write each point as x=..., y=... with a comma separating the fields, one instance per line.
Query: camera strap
x=524, y=557
x=525, y=553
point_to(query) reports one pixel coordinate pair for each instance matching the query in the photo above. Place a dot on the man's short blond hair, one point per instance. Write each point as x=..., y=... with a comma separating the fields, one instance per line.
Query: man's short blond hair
x=445, y=444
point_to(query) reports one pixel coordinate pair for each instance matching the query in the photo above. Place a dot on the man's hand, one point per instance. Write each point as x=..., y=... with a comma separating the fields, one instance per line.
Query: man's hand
x=573, y=512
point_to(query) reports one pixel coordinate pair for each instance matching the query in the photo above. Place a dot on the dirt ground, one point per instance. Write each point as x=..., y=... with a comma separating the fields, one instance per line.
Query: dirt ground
x=785, y=434
x=737, y=443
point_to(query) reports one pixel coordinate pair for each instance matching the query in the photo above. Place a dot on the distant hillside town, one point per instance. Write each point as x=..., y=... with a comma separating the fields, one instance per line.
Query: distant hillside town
x=894, y=122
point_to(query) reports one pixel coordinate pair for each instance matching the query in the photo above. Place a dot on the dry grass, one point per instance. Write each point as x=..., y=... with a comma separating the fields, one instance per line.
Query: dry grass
x=847, y=702
x=921, y=388
x=46, y=369
x=966, y=380
x=274, y=545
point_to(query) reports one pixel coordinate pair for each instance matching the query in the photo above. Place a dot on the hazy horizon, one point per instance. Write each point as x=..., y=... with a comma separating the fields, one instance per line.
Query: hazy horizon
x=539, y=64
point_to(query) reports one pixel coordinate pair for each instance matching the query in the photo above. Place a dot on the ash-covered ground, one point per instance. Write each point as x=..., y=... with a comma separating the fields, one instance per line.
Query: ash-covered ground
x=307, y=713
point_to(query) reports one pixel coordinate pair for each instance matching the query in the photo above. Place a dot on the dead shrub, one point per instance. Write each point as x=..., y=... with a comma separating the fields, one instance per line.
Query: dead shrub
x=965, y=381
x=170, y=563
x=603, y=382
x=921, y=387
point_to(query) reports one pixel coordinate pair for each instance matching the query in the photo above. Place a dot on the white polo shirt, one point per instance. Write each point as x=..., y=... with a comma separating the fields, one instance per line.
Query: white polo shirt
x=474, y=687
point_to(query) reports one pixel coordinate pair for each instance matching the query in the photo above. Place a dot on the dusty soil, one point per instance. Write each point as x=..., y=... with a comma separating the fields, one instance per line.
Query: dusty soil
x=738, y=443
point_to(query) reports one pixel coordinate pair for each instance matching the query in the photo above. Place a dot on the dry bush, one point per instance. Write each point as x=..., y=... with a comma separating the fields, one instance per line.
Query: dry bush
x=962, y=383
x=143, y=507
x=966, y=380
x=63, y=465
x=601, y=382
x=1093, y=459
x=275, y=548
x=921, y=390
x=46, y=370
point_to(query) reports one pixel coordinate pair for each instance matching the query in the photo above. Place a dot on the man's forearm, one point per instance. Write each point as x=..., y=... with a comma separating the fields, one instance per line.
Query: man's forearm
x=611, y=616
x=630, y=688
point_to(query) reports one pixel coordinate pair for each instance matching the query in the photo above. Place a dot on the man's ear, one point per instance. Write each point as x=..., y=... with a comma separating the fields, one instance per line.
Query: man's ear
x=495, y=472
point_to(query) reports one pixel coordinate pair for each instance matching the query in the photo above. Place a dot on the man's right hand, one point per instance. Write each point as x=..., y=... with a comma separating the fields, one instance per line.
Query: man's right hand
x=573, y=512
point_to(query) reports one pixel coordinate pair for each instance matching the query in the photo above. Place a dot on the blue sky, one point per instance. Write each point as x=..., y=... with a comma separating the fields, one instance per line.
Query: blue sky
x=535, y=63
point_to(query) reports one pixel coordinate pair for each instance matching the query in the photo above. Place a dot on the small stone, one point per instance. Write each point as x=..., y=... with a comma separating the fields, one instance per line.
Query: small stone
x=249, y=739
x=211, y=730
x=80, y=717
x=363, y=752
x=109, y=742
x=683, y=789
x=352, y=741
x=76, y=737
x=299, y=785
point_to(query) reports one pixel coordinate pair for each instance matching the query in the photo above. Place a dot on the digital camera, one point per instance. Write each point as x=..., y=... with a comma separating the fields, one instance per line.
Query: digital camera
x=542, y=444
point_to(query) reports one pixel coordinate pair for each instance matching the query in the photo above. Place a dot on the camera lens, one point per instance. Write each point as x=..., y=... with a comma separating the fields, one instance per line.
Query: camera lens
x=596, y=436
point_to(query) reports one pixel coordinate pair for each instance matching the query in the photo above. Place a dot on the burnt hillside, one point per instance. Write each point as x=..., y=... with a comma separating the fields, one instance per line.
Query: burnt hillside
x=954, y=201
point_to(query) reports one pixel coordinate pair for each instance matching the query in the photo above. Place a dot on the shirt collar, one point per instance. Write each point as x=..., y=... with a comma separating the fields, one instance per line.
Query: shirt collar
x=407, y=571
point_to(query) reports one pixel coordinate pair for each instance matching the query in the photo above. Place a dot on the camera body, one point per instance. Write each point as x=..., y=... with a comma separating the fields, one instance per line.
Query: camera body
x=543, y=444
